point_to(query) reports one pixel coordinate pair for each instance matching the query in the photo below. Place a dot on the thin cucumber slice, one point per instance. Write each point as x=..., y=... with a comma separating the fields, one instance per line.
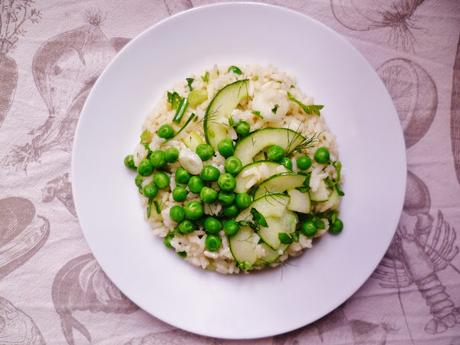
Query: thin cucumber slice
x=256, y=172
x=270, y=205
x=286, y=223
x=321, y=194
x=255, y=142
x=243, y=247
x=299, y=201
x=331, y=204
x=280, y=183
x=271, y=256
x=224, y=102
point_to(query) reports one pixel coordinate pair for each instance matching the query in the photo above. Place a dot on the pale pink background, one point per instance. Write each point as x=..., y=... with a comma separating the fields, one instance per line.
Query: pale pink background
x=53, y=292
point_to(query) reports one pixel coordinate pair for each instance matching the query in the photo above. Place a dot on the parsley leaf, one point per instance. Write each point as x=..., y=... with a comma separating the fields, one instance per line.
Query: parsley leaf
x=235, y=70
x=257, y=113
x=205, y=77
x=189, y=83
x=313, y=109
x=258, y=218
x=275, y=108
x=284, y=238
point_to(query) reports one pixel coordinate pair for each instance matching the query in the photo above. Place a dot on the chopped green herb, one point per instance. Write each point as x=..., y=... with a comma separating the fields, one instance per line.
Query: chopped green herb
x=244, y=265
x=235, y=70
x=313, y=109
x=231, y=121
x=257, y=113
x=205, y=77
x=174, y=99
x=284, y=238
x=167, y=240
x=275, y=108
x=157, y=206
x=191, y=117
x=181, y=110
x=189, y=83
x=258, y=218
x=182, y=254
x=146, y=137
x=149, y=208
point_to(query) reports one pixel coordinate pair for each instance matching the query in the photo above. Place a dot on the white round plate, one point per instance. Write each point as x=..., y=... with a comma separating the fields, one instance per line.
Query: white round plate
x=357, y=109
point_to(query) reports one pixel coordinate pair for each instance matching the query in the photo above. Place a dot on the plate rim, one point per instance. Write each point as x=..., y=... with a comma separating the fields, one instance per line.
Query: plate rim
x=357, y=283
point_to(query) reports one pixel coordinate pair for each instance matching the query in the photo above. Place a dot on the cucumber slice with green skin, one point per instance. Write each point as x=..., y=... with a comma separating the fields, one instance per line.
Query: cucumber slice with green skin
x=299, y=202
x=270, y=205
x=257, y=172
x=192, y=140
x=249, y=147
x=270, y=257
x=321, y=194
x=276, y=225
x=243, y=247
x=331, y=204
x=224, y=102
x=279, y=184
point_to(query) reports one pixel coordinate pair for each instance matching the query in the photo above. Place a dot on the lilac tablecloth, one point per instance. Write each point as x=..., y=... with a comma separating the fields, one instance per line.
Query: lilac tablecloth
x=52, y=291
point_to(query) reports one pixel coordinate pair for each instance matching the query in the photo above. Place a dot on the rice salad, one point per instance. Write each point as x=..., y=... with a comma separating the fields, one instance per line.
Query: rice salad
x=237, y=169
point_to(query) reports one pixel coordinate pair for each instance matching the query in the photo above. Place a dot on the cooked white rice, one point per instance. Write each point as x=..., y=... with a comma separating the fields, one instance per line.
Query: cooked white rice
x=262, y=80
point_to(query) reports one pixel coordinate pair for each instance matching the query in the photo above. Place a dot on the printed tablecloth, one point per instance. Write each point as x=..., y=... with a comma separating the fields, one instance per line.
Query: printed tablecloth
x=52, y=291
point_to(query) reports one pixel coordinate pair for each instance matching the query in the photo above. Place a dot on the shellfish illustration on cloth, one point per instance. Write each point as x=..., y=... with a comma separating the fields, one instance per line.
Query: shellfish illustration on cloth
x=394, y=16
x=22, y=233
x=17, y=328
x=423, y=246
x=81, y=285
x=14, y=14
x=173, y=337
x=455, y=114
x=414, y=94
x=65, y=67
x=337, y=328
x=60, y=188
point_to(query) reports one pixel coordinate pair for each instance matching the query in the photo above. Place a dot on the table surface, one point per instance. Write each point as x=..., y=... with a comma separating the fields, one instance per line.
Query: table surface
x=52, y=291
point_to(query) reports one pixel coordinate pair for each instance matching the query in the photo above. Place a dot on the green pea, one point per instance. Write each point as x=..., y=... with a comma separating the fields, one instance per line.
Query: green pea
x=319, y=223
x=209, y=173
x=213, y=243
x=226, y=198
x=286, y=162
x=231, y=227
x=233, y=165
x=230, y=211
x=186, y=227
x=150, y=190
x=304, y=162
x=226, y=182
x=145, y=168
x=284, y=238
x=179, y=193
x=204, y=151
x=167, y=240
x=138, y=180
x=275, y=153
x=225, y=147
x=182, y=176
x=177, y=213
x=309, y=228
x=212, y=225
x=322, y=155
x=165, y=132
x=129, y=162
x=208, y=195
x=171, y=154
x=336, y=227
x=243, y=128
x=195, y=184
x=243, y=200
x=193, y=210
x=158, y=159
x=161, y=180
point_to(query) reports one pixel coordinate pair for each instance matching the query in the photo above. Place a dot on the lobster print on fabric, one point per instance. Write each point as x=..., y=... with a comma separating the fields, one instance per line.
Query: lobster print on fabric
x=81, y=285
x=455, y=114
x=60, y=188
x=423, y=246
